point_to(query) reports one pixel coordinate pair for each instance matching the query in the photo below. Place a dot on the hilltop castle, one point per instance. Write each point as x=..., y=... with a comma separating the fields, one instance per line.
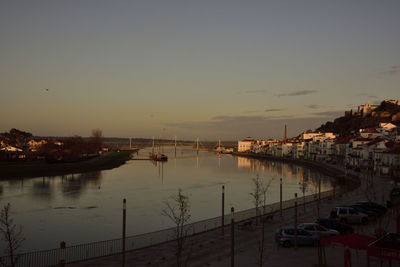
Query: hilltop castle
x=367, y=109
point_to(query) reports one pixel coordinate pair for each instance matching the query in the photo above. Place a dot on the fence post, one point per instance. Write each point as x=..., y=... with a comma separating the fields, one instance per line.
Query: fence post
x=123, y=230
x=62, y=254
x=295, y=221
x=232, y=237
x=280, y=197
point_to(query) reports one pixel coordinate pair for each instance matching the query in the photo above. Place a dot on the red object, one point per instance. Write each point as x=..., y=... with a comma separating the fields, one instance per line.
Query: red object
x=347, y=257
x=387, y=247
x=354, y=241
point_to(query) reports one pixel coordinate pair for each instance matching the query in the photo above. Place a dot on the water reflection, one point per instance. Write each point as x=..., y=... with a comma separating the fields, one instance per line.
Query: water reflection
x=83, y=205
x=72, y=186
x=42, y=189
x=306, y=180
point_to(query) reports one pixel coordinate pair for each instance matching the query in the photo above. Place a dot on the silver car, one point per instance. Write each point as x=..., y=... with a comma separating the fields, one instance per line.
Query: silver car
x=348, y=215
x=317, y=229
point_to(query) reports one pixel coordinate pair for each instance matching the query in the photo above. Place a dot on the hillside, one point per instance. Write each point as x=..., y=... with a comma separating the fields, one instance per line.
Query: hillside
x=345, y=125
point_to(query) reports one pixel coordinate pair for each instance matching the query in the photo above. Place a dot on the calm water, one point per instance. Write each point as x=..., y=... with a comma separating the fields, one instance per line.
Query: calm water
x=88, y=207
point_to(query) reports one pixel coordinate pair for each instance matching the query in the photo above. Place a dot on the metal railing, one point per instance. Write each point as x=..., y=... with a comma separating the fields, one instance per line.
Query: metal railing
x=87, y=251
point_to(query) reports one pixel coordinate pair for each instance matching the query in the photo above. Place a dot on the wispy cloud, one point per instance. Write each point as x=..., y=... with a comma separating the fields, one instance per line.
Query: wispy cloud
x=298, y=93
x=314, y=106
x=255, y=91
x=237, y=127
x=369, y=95
x=252, y=111
x=392, y=71
x=331, y=113
x=273, y=109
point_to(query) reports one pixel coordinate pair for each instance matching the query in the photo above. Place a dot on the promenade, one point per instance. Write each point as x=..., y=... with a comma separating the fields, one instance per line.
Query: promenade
x=212, y=249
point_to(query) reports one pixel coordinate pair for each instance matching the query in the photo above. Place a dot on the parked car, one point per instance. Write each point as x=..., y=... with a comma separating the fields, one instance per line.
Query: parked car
x=285, y=236
x=317, y=229
x=374, y=206
x=370, y=213
x=346, y=214
x=342, y=228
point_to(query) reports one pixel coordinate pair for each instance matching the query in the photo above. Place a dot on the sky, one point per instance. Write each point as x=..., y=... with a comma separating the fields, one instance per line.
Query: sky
x=212, y=69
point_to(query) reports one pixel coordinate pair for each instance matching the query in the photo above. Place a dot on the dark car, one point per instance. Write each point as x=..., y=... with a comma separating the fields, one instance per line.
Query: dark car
x=342, y=228
x=371, y=214
x=373, y=206
x=285, y=236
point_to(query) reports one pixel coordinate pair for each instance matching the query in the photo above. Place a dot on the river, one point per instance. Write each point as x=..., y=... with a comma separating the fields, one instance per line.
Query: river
x=87, y=207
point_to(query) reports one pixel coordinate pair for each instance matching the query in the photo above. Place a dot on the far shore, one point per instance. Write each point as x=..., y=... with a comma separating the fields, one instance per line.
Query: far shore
x=106, y=161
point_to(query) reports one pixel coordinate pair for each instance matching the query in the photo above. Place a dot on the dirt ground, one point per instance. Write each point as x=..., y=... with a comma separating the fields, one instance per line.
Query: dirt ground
x=213, y=249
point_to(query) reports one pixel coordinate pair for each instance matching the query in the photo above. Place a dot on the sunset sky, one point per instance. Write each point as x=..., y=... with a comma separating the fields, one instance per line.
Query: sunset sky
x=213, y=69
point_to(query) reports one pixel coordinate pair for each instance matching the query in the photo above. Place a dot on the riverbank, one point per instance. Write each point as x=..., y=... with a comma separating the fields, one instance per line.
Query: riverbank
x=106, y=161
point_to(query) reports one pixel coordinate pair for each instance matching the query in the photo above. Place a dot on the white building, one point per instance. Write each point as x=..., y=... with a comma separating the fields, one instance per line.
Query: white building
x=34, y=145
x=246, y=145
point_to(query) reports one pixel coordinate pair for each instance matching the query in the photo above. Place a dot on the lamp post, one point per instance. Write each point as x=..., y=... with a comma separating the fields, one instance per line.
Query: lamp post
x=123, y=230
x=232, y=237
x=295, y=220
x=280, y=196
x=223, y=211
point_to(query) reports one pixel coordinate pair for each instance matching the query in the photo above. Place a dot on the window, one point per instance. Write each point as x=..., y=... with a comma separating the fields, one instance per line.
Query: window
x=309, y=228
x=302, y=232
x=342, y=211
x=289, y=231
x=352, y=211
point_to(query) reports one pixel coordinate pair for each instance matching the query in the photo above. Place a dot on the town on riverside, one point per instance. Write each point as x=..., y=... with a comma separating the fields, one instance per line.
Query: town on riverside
x=329, y=196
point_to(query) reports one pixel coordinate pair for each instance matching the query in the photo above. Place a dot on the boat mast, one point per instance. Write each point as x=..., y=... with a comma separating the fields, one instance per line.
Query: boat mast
x=153, y=145
x=197, y=145
x=175, y=145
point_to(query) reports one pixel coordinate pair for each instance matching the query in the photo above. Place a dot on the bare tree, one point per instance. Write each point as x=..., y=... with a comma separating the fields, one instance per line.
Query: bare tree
x=303, y=188
x=11, y=235
x=370, y=188
x=259, y=193
x=96, y=141
x=177, y=209
x=264, y=189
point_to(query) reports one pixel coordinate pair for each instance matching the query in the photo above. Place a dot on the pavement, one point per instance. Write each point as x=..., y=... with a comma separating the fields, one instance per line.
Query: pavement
x=213, y=249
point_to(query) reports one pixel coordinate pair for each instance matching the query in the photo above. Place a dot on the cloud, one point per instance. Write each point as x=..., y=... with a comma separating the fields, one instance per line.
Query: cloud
x=368, y=95
x=314, y=106
x=298, y=93
x=273, y=109
x=238, y=127
x=331, y=113
x=252, y=111
x=254, y=91
x=392, y=71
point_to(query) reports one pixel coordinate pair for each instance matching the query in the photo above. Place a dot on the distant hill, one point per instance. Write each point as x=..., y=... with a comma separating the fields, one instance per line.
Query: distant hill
x=346, y=125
